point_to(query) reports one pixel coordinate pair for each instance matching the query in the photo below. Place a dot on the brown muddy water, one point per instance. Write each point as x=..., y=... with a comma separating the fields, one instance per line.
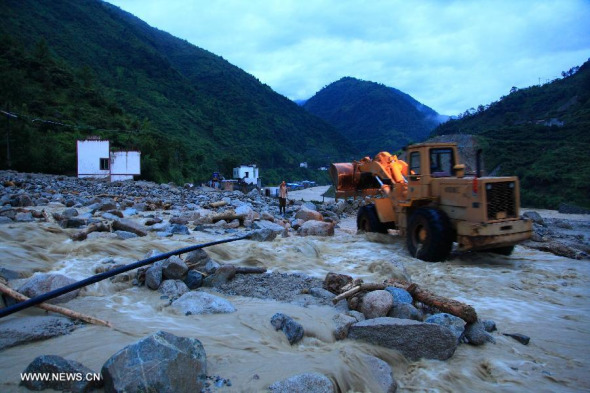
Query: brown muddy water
x=530, y=292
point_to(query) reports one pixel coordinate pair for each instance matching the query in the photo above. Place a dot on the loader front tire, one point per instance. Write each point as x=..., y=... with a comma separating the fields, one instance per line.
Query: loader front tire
x=429, y=236
x=368, y=221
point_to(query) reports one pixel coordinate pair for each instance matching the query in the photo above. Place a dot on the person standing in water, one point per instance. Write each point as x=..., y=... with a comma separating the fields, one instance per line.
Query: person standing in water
x=282, y=198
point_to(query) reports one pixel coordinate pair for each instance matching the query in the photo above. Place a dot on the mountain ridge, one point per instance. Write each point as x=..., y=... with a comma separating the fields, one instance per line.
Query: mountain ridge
x=375, y=117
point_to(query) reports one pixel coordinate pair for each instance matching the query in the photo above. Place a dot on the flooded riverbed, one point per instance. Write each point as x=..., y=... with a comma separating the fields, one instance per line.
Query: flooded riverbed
x=533, y=293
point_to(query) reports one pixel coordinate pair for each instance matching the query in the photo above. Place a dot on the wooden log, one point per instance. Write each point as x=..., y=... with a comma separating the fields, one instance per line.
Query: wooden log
x=57, y=309
x=444, y=304
x=250, y=270
x=83, y=234
x=218, y=204
x=228, y=216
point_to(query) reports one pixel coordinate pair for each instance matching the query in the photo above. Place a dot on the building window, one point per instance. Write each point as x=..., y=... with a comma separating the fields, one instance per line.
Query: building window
x=104, y=164
x=246, y=174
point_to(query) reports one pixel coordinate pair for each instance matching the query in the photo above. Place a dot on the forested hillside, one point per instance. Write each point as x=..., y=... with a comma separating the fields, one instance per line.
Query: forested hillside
x=541, y=134
x=85, y=67
x=373, y=116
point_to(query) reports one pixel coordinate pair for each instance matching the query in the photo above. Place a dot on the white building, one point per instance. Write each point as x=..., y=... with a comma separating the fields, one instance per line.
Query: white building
x=96, y=160
x=248, y=173
x=303, y=165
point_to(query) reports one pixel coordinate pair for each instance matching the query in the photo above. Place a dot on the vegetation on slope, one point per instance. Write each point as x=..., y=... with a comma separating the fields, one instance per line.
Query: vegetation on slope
x=375, y=117
x=541, y=134
x=189, y=111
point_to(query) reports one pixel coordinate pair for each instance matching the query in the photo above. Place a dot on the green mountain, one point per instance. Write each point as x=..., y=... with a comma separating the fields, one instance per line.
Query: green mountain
x=373, y=116
x=85, y=67
x=541, y=134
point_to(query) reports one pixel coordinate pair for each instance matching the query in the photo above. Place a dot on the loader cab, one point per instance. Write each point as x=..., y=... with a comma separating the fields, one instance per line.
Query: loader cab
x=428, y=162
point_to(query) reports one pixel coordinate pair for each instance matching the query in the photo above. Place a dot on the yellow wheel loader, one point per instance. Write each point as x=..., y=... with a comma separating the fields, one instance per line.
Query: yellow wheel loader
x=431, y=202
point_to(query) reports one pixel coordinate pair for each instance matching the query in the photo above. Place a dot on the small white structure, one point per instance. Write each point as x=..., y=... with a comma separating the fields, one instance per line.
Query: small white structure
x=96, y=160
x=248, y=173
x=303, y=165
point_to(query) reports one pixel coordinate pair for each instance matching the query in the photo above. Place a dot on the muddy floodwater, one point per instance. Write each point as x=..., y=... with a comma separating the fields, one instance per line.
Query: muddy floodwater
x=537, y=294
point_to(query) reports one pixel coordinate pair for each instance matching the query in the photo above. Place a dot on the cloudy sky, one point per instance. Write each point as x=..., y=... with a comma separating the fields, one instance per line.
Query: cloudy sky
x=449, y=55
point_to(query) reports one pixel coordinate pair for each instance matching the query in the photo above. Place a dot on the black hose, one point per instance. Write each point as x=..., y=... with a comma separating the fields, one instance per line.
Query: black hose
x=102, y=276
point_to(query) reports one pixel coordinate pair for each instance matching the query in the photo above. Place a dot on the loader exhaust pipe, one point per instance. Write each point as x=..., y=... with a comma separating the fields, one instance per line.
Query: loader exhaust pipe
x=478, y=163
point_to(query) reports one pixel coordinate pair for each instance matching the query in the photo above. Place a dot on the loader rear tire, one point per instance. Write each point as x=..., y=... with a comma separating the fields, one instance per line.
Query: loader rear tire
x=430, y=235
x=367, y=220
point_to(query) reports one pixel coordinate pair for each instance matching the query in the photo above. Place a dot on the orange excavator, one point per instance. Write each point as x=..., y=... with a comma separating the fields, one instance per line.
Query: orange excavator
x=432, y=203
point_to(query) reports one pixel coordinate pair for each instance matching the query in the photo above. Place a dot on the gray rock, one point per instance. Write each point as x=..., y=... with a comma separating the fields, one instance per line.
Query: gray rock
x=476, y=334
x=263, y=224
x=405, y=311
x=521, y=338
x=24, y=217
x=413, y=339
x=69, y=213
x=197, y=259
x=21, y=200
x=173, y=288
x=193, y=279
x=202, y=303
x=74, y=222
x=376, y=304
x=222, y=275
x=153, y=277
x=455, y=324
x=535, y=217
x=342, y=324
x=124, y=235
x=381, y=373
x=400, y=295
x=24, y=330
x=51, y=364
x=125, y=224
x=179, y=229
x=321, y=293
x=263, y=235
x=304, y=383
x=42, y=283
x=161, y=363
x=174, y=268
x=293, y=330
x=306, y=214
x=489, y=325
x=5, y=220
x=316, y=228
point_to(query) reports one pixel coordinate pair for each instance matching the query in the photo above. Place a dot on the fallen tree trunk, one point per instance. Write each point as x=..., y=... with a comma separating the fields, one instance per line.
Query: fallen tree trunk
x=250, y=270
x=57, y=309
x=444, y=304
x=229, y=216
x=98, y=227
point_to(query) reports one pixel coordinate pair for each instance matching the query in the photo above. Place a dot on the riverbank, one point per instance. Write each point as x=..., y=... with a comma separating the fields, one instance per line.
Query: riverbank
x=530, y=292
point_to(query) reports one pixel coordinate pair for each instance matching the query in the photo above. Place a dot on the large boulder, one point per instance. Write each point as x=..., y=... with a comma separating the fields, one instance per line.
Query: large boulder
x=263, y=224
x=400, y=295
x=380, y=374
x=173, y=288
x=342, y=324
x=304, y=383
x=413, y=339
x=153, y=276
x=160, y=363
x=24, y=330
x=83, y=379
x=222, y=275
x=455, y=324
x=174, y=268
x=376, y=304
x=306, y=214
x=192, y=303
x=405, y=311
x=42, y=283
x=316, y=228
x=293, y=330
